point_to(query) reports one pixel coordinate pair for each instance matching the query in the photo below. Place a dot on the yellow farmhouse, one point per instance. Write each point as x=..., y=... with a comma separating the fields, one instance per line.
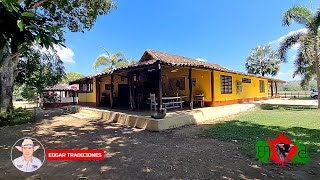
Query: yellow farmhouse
x=196, y=83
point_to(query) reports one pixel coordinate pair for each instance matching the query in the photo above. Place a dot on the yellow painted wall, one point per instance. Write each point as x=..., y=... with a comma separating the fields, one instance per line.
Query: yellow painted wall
x=107, y=80
x=249, y=90
x=203, y=85
x=89, y=97
x=203, y=82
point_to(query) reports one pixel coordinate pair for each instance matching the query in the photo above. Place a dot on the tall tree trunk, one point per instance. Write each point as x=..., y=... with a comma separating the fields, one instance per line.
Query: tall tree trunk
x=7, y=81
x=318, y=79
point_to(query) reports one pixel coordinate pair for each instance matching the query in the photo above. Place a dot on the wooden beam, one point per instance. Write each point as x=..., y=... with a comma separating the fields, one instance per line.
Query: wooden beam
x=111, y=91
x=190, y=89
x=132, y=105
x=159, y=86
x=97, y=92
x=212, y=88
x=271, y=89
x=276, y=85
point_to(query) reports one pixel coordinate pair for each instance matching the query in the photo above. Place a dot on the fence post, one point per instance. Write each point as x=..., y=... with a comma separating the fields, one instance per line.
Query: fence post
x=291, y=95
x=285, y=94
x=298, y=94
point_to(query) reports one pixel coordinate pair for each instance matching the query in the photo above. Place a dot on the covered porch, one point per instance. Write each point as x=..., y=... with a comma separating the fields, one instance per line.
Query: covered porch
x=173, y=119
x=154, y=87
x=273, y=89
x=59, y=95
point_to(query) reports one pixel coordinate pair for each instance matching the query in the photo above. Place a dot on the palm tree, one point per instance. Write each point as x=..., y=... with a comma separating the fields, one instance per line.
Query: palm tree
x=307, y=59
x=112, y=61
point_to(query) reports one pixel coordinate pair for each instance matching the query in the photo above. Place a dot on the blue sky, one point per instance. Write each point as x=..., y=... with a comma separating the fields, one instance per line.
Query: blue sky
x=221, y=32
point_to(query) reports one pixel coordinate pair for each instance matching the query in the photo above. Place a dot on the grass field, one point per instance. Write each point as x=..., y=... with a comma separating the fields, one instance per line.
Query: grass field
x=298, y=123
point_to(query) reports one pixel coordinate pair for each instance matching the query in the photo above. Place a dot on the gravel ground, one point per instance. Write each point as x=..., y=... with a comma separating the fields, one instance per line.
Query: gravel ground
x=137, y=154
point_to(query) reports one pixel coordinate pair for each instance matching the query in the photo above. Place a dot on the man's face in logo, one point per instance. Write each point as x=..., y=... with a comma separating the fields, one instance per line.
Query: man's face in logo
x=27, y=151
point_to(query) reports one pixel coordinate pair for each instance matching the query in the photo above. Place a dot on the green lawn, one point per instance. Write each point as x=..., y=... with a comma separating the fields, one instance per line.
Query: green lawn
x=298, y=123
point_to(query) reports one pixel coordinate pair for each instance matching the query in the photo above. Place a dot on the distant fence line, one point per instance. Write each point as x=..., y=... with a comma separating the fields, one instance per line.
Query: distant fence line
x=294, y=94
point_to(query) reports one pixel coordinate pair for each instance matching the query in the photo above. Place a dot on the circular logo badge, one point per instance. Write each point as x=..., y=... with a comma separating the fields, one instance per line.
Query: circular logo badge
x=28, y=154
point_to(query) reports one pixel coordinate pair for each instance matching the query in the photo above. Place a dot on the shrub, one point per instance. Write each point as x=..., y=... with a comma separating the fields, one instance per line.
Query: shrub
x=16, y=116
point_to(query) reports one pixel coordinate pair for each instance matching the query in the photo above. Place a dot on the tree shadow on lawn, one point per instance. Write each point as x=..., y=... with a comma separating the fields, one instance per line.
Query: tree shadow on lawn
x=247, y=134
x=287, y=107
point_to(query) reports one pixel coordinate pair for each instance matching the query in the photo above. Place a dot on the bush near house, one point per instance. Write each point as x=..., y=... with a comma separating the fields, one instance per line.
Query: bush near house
x=16, y=116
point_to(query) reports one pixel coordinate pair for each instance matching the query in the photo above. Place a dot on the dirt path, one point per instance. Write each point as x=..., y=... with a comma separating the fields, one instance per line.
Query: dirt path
x=136, y=154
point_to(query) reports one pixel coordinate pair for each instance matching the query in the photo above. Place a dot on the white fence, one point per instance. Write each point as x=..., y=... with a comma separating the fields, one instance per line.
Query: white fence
x=68, y=99
x=62, y=100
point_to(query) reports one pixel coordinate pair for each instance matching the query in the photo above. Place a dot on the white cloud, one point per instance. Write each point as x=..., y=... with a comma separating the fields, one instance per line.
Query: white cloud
x=199, y=59
x=287, y=75
x=66, y=54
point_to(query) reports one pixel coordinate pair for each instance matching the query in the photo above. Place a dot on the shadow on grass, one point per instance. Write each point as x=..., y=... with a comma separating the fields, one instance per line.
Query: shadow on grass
x=286, y=107
x=247, y=134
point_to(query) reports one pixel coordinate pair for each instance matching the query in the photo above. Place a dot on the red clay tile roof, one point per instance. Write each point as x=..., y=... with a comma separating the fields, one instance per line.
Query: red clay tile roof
x=151, y=57
x=175, y=60
x=61, y=87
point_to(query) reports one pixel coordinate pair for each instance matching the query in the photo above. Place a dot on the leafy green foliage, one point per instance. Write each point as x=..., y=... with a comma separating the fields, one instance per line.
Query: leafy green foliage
x=263, y=61
x=38, y=69
x=300, y=14
x=76, y=15
x=20, y=26
x=26, y=22
x=72, y=76
x=296, y=86
x=16, y=116
x=307, y=59
x=29, y=93
x=42, y=20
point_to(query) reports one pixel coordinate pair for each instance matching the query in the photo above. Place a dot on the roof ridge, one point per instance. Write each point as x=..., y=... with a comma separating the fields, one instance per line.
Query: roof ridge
x=180, y=56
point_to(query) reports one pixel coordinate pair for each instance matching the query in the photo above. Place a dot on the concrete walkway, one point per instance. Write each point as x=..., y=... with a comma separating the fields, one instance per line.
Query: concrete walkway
x=287, y=101
x=201, y=115
x=172, y=120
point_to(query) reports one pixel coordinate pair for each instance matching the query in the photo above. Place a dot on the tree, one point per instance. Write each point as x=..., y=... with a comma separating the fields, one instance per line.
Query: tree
x=263, y=61
x=24, y=22
x=28, y=93
x=71, y=76
x=38, y=69
x=307, y=59
x=111, y=61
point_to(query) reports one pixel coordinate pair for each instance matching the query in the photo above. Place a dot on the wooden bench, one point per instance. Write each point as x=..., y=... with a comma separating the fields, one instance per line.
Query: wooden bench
x=173, y=104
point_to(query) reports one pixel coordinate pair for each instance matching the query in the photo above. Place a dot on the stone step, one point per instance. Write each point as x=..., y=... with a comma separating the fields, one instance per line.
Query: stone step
x=88, y=111
x=81, y=115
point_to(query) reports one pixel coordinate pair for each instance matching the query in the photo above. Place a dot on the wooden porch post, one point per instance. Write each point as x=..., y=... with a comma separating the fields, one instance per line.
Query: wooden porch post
x=97, y=92
x=190, y=89
x=271, y=87
x=132, y=106
x=111, y=92
x=159, y=88
x=276, y=85
x=212, y=88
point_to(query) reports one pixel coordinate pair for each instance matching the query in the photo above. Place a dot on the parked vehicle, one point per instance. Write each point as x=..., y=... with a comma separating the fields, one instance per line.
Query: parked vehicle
x=314, y=94
x=19, y=99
